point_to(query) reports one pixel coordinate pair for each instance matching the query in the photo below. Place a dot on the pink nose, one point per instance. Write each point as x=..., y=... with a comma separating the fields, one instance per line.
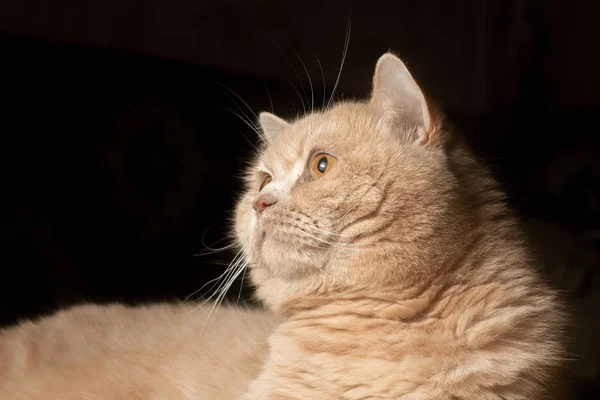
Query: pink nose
x=263, y=201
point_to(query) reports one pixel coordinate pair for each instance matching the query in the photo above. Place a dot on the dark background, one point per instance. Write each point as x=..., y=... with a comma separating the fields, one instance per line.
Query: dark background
x=120, y=158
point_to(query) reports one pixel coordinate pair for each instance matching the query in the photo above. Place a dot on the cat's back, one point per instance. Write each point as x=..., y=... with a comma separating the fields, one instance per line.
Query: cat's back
x=175, y=351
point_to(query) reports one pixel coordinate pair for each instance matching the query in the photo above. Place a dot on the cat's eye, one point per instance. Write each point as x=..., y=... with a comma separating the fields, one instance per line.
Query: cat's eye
x=265, y=182
x=321, y=164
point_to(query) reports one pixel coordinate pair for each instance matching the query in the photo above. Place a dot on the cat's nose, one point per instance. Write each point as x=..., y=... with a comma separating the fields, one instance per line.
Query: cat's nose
x=263, y=201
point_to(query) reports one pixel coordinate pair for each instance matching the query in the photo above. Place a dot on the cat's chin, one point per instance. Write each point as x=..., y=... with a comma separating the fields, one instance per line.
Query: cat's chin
x=268, y=235
x=270, y=244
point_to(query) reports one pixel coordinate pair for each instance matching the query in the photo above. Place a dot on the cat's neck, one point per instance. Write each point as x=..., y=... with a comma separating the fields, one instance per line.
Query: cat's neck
x=415, y=298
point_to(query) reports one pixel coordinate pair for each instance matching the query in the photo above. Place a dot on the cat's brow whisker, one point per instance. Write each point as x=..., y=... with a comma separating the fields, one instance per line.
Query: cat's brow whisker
x=296, y=74
x=298, y=93
x=250, y=121
x=251, y=143
x=312, y=93
x=344, y=52
x=240, y=99
x=244, y=117
x=247, y=120
x=323, y=79
x=256, y=130
x=270, y=98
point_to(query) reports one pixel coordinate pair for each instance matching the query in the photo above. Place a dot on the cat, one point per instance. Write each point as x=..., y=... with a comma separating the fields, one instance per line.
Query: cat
x=387, y=261
x=389, y=249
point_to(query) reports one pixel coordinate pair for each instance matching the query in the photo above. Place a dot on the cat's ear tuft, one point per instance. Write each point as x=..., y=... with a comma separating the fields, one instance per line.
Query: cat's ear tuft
x=398, y=97
x=271, y=125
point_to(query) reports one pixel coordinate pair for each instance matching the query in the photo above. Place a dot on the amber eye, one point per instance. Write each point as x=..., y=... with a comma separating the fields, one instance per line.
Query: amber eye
x=321, y=164
x=265, y=182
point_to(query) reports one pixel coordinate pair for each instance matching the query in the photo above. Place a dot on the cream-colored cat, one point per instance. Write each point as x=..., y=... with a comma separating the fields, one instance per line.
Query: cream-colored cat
x=386, y=253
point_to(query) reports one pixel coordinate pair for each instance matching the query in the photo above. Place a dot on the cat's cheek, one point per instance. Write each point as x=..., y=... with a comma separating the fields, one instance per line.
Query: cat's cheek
x=245, y=224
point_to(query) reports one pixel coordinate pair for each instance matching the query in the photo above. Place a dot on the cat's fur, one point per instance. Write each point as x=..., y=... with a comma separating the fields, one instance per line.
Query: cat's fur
x=400, y=274
x=157, y=352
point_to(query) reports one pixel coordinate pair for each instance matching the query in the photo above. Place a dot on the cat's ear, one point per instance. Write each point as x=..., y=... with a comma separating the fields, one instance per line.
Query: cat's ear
x=399, y=99
x=271, y=125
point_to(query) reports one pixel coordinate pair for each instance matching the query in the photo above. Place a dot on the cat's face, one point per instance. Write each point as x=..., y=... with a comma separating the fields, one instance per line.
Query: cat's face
x=335, y=195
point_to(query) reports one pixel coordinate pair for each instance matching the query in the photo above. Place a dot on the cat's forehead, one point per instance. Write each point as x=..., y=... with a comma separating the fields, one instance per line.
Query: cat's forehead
x=332, y=131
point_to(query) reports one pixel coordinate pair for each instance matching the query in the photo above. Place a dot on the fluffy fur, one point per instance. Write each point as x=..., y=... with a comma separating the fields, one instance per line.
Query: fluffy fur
x=115, y=352
x=401, y=272
x=398, y=274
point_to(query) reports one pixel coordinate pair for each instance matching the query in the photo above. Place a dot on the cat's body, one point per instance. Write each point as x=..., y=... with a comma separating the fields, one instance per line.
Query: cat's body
x=388, y=253
x=154, y=352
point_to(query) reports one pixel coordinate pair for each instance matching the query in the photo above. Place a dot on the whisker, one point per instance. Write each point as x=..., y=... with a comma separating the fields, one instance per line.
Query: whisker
x=240, y=99
x=217, y=279
x=254, y=128
x=307, y=257
x=223, y=291
x=251, y=122
x=247, y=120
x=345, y=51
x=295, y=73
x=242, y=284
x=346, y=246
x=312, y=93
x=298, y=93
x=341, y=235
x=270, y=99
x=210, y=249
x=323, y=79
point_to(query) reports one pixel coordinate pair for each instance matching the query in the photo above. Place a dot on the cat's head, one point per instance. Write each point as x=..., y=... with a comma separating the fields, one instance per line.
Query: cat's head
x=356, y=196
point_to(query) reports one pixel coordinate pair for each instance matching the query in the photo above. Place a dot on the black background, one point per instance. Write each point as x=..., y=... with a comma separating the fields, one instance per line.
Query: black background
x=121, y=159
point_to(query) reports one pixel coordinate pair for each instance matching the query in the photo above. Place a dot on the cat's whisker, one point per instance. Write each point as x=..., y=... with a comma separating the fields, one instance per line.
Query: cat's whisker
x=312, y=93
x=345, y=246
x=250, y=121
x=308, y=258
x=297, y=77
x=323, y=79
x=216, y=303
x=254, y=128
x=298, y=93
x=222, y=291
x=214, y=251
x=344, y=52
x=340, y=235
x=242, y=284
x=240, y=99
x=247, y=120
x=209, y=249
x=189, y=296
x=217, y=279
x=270, y=98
